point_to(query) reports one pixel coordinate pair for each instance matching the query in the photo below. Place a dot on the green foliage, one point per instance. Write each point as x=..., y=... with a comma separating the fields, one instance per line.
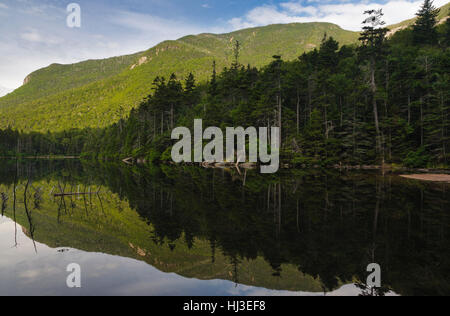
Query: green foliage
x=327, y=108
x=58, y=78
x=417, y=159
x=425, y=26
x=325, y=101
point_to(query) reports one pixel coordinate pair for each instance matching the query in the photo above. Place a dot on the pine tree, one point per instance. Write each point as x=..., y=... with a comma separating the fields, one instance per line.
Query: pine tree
x=190, y=93
x=213, y=83
x=372, y=49
x=424, y=29
x=174, y=96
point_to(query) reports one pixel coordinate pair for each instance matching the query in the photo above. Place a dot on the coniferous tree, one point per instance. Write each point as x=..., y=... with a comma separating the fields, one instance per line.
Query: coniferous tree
x=425, y=26
x=190, y=94
x=213, y=83
x=372, y=49
x=387, y=99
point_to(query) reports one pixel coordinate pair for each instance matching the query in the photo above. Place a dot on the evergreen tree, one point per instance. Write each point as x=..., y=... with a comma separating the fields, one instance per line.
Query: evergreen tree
x=213, y=83
x=385, y=100
x=372, y=49
x=425, y=26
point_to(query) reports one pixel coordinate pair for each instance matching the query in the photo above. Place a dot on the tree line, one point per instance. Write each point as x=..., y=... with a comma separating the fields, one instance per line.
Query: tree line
x=15, y=143
x=383, y=101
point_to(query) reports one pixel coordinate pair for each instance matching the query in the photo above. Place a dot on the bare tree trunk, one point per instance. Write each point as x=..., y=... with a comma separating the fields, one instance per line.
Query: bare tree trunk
x=375, y=106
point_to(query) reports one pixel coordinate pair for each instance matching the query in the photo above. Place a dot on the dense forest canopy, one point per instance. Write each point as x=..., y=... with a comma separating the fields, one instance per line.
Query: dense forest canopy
x=385, y=100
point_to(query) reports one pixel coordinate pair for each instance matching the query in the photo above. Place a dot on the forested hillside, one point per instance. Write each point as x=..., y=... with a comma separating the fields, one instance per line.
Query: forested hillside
x=383, y=100
x=96, y=93
x=58, y=78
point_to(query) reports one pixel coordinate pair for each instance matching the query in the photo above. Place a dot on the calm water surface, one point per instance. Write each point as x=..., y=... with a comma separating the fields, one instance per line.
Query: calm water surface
x=192, y=231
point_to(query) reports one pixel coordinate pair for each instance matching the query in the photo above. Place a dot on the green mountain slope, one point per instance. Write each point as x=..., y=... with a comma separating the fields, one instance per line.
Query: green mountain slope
x=97, y=93
x=57, y=78
x=90, y=94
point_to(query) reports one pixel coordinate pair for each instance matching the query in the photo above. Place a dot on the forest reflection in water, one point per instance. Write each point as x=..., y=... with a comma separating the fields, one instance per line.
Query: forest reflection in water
x=310, y=231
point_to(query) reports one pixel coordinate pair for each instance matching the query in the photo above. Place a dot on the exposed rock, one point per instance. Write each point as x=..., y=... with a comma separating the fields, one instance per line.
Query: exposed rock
x=27, y=80
x=395, y=30
x=142, y=60
x=141, y=252
x=442, y=21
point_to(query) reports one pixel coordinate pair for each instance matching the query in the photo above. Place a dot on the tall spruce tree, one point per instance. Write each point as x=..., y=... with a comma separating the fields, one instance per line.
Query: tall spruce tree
x=425, y=27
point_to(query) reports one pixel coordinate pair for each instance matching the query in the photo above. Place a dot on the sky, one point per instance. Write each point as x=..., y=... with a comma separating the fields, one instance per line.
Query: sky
x=34, y=33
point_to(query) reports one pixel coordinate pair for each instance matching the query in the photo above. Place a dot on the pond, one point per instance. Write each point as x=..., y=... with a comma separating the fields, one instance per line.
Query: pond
x=192, y=231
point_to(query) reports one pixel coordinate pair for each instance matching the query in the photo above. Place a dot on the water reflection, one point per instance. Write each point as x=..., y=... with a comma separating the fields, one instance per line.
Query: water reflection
x=303, y=232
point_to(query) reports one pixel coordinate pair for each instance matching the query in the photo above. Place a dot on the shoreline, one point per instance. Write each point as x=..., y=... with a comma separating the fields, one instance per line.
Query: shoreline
x=428, y=177
x=420, y=174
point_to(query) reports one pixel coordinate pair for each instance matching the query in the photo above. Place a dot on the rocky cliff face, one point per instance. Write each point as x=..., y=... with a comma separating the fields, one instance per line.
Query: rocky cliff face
x=27, y=79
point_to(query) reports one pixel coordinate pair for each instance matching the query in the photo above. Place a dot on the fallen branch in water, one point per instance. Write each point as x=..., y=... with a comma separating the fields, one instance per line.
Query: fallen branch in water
x=128, y=161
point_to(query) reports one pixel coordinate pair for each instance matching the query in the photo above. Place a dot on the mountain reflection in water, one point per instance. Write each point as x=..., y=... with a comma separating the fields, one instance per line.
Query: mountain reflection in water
x=193, y=231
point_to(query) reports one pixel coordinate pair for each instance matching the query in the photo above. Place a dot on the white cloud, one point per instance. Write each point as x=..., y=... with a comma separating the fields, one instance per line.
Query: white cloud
x=347, y=15
x=298, y=8
x=163, y=29
x=34, y=36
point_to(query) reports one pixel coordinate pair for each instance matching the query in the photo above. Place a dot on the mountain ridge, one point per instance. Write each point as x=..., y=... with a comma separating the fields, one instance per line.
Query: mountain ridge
x=98, y=100
x=443, y=15
x=96, y=93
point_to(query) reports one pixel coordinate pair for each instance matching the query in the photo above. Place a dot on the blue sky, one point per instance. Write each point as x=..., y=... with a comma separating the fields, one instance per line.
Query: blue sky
x=34, y=34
